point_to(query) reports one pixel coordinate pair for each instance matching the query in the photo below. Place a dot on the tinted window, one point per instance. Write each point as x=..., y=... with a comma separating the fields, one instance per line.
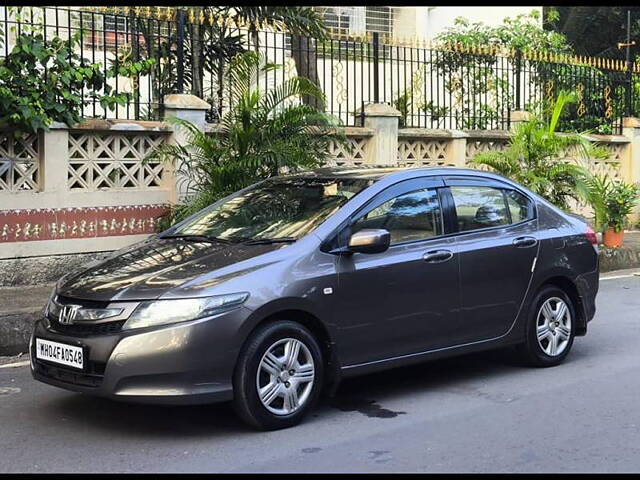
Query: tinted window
x=519, y=206
x=479, y=207
x=411, y=216
x=281, y=207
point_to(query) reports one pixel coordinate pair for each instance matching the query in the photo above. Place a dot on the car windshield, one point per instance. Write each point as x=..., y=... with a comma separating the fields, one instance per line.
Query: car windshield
x=277, y=209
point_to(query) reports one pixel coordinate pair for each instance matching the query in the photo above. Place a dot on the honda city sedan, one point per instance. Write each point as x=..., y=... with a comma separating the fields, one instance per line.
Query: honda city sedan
x=281, y=290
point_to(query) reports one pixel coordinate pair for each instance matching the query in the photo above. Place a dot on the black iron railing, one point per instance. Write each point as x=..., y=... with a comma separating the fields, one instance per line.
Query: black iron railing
x=451, y=86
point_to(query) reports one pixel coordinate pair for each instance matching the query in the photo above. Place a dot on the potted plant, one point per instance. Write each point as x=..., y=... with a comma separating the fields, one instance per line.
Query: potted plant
x=620, y=200
x=612, y=201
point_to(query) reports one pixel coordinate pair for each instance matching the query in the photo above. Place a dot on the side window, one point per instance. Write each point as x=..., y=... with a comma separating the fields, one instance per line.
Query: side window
x=479, y=207
x=411, y=216
x=519, y=206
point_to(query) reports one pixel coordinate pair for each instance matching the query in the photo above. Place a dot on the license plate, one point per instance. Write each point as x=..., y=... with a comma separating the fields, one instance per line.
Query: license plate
x=61, y=353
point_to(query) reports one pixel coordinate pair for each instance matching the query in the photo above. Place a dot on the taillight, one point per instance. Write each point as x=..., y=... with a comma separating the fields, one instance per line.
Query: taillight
x=591, y=235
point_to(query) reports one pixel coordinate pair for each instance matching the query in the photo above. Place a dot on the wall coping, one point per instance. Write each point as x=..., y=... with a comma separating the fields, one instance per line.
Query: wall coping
x=378, y=110
x=597, y=137
x=502, y=134
x=181, y=101
x=430, y=133
x=101, y=124
x=348, y=131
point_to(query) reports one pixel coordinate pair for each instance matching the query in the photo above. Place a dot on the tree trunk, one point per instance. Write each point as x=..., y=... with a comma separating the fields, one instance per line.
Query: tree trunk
x=304, y=55
x=197, y=72
x=135, y=50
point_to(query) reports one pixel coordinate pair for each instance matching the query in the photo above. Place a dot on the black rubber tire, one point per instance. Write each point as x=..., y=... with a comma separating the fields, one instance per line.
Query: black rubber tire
x=246, y=401
x=530, y=351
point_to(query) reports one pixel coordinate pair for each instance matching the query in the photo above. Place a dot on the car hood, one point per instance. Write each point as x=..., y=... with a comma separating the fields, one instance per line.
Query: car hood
x=153, y=268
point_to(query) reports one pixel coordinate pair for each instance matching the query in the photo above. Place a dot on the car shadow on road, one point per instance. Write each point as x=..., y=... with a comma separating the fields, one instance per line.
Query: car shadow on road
x=365, y=394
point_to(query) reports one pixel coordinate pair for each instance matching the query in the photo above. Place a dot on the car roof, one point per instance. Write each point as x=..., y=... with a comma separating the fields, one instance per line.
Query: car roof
x=376, y=172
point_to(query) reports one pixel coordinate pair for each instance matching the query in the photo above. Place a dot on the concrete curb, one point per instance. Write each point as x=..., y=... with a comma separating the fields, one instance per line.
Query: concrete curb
x=15, y=331
x=619, y=258
x=20, y=307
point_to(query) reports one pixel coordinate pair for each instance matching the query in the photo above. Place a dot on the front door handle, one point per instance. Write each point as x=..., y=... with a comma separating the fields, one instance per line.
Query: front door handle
x=524, y=242
x=437, y=256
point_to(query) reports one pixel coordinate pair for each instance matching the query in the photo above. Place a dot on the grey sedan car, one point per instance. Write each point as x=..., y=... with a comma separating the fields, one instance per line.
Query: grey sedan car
x=279, y=291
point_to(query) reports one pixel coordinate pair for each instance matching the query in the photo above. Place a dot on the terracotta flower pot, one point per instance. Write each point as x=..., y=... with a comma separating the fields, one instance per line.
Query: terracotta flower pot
x=611, y=238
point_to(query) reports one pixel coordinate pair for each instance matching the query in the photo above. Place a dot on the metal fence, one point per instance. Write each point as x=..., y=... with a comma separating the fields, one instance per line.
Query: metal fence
x=454, y=86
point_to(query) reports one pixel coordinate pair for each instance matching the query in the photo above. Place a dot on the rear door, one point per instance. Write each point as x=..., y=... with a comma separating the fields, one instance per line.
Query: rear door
x=497, y=244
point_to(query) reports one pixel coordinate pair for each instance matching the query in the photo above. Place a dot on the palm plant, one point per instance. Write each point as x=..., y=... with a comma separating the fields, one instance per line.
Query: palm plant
x=611, y=200
x=263, y=134
x=538, y=157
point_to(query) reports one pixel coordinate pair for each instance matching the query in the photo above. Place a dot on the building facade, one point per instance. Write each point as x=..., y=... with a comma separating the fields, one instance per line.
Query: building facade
x=423, y=23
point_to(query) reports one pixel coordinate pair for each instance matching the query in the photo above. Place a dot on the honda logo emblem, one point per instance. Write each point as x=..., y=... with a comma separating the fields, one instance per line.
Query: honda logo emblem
x=68, y=314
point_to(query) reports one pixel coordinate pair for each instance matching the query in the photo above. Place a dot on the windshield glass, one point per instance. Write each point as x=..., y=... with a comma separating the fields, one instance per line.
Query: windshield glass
x=275, y=209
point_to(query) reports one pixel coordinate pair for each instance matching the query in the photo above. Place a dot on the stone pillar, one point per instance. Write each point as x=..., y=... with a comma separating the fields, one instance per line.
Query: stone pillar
x=518, y=116
x=631, y=163
x=457, y=150
x=192, y=109
x=382, y=148
x=54, y=159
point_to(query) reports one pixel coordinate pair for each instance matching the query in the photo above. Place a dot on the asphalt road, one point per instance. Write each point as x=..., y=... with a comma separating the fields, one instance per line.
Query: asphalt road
x=478, y=413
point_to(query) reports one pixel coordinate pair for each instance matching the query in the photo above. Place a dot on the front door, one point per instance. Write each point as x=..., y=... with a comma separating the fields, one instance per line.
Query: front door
x=404, y=300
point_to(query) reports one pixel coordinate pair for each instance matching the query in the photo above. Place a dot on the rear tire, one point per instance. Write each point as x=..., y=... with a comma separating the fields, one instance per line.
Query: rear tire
x=278, y=377
x=550, y=329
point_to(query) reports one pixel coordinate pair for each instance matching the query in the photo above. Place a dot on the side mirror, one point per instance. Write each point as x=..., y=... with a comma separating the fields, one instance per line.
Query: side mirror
x=370, y=241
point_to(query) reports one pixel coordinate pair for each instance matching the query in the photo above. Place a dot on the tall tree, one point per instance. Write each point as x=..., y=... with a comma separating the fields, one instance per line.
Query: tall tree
x=594, y=31
x=305, y=25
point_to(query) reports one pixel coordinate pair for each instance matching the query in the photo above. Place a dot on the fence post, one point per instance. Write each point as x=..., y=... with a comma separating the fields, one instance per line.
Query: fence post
x=180, y=19
x=376, y=72
x=629, y=92
x=518, y=79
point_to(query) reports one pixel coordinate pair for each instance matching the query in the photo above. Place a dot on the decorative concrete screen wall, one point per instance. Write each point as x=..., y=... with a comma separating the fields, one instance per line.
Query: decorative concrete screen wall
x=93, y=189
x=353, y=154
x=19, y=165
x=83, y=190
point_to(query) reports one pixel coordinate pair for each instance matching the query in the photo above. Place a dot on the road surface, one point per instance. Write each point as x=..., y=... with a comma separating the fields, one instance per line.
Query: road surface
x=478, y=413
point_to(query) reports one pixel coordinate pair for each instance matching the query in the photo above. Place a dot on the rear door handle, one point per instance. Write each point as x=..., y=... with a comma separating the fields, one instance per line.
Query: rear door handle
x=437, y=256
x=524, y=242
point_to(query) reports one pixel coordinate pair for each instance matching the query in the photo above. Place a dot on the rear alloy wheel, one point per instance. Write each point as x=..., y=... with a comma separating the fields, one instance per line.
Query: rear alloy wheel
x=553, y=326
x=550, y=329
x=278, y=376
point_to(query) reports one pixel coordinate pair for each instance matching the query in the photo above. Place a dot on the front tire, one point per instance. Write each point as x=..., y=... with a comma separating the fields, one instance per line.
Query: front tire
x=278, y=377
x=550, y=328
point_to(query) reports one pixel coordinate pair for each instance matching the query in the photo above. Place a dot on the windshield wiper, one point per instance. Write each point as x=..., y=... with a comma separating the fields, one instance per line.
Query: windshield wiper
x=198, y=238
x=266, y=241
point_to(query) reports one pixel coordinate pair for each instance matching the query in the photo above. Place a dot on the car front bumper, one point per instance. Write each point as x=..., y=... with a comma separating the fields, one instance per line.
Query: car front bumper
x=183, y=363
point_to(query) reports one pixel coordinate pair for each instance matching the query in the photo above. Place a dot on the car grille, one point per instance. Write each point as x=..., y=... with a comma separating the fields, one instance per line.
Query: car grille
x=86, y=329
x=73, y=377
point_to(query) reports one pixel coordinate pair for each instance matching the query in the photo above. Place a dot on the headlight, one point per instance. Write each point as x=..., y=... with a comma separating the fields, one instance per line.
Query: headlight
x=162, y=312
x=48, y=308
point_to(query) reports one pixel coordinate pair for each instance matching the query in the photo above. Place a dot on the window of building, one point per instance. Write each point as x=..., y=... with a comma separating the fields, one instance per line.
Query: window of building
x=359, y=20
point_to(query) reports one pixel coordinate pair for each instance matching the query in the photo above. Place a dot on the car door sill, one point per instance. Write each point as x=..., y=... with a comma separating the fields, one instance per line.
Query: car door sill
x=426, y=352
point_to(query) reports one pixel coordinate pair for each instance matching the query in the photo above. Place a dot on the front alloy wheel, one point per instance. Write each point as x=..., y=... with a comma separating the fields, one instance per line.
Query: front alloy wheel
x=285, y=377
x=278, y=376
